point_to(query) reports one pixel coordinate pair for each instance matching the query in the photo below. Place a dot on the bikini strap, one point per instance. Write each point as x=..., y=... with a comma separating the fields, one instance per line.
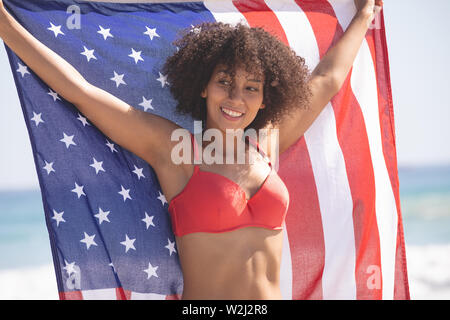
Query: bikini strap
x=255, y=144
x=194, y=144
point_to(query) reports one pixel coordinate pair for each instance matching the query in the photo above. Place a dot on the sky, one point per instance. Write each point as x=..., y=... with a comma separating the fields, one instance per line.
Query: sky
x=418, y=46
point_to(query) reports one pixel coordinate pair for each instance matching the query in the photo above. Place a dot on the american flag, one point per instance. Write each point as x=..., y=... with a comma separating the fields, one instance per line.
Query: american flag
x=107, y=218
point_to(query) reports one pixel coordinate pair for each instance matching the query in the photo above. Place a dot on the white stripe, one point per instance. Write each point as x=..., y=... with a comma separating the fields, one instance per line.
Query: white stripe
x=225, y=11
x=364, y=86
x=99, y=294
x=147, y=296
x=286, y=268
x=327, y=160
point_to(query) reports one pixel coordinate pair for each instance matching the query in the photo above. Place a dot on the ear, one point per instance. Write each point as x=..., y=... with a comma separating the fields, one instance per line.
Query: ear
x=203, y=94
x=262, y=106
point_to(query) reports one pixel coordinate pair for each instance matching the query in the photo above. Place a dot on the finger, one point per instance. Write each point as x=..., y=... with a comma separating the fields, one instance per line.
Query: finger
x=379, y=3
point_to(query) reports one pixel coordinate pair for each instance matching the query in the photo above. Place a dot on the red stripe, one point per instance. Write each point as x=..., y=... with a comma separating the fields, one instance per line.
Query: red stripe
x=122, y=294
x=173, y=297
x=354, y=143
x=71, y=295
x=303, y=220
x=303, y=223
x=376, y=39
x=258, y=14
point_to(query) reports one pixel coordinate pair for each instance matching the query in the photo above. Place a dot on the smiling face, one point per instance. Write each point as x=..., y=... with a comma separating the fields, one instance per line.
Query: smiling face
x=232, y=107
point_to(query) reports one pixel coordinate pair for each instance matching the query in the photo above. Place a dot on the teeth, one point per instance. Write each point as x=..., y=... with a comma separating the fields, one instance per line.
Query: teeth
x=231, y=113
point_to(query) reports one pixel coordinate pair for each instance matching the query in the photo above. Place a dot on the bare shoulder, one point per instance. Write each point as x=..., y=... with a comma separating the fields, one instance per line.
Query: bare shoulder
x=172, y=176
x=159, y=155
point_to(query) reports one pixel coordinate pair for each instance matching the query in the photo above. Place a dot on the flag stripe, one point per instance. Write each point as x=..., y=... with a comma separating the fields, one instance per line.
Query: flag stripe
x=328, y=165
x=386, y=211
x=352, y=136
x=114, y=294
x=147, y=296
x=376, y=41
x=286, y=277
x=100, y=294
x=258, y=14
x=224, y=11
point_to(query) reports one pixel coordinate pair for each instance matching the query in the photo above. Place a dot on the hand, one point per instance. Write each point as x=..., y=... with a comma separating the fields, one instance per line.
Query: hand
x=367, y=7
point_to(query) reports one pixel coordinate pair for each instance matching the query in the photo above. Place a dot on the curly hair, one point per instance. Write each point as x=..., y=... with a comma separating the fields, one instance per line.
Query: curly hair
x=202, y=48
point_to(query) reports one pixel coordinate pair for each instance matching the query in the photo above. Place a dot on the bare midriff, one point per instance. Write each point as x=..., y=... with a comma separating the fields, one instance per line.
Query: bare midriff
x=239, y=264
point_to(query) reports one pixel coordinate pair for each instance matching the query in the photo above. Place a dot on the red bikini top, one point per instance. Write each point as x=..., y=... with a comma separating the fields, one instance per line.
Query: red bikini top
x=213, y=203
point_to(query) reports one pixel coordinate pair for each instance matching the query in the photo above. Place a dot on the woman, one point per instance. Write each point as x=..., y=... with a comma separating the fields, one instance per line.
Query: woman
x=227, y=218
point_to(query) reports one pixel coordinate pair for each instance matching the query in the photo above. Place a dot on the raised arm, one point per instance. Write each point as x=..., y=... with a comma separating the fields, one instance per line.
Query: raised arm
x=327, y=78
x=142, y=133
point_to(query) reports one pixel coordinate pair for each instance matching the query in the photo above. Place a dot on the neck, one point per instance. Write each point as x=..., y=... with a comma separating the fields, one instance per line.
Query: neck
x=231, y=146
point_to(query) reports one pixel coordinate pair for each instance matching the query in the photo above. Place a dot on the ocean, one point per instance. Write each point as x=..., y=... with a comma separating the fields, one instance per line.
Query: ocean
x=26, y=270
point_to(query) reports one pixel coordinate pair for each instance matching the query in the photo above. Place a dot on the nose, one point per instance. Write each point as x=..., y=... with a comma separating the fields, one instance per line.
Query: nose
x=235, y=94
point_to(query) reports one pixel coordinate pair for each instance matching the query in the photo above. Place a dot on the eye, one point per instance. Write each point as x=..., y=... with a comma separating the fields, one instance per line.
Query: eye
x=224, y=82
x=253, y=89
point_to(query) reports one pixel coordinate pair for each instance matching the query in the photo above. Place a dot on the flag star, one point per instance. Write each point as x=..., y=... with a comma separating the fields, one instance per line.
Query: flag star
x=22, y=69
x=105, y=33
x=128, y=243
x=70, y=267
x=54, y=95
x=49, y=167
x=68, y=140
x=162, y=198
x=102, y=215
x=78, y=190
x=97, y=165
x=163, y=79
x=83, y=120
x=89, y=54
x=138, y=172
x=125, y=193
x=171, y=247
x=148, y=220
x=37, y=118
x=111, y=146
x=118, y=79
x=151, y=33
x=151, y=271
x=58, y=217
x=88, y=240
x=55, y=29
x=136, y=55
x=147, y=104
